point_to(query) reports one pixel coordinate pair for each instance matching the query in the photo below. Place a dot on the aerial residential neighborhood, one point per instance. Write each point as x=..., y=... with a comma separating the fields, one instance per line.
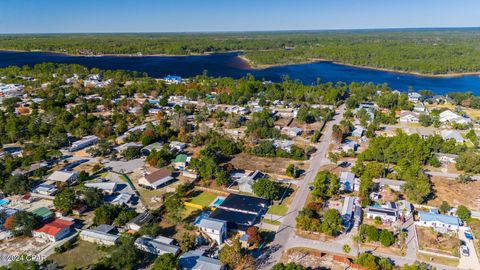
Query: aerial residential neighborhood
x=218, y=135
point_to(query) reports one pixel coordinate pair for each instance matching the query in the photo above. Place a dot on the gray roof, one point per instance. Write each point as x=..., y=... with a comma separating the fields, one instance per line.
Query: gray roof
x=155, y=247
x=102, y=185
x=99, y=235
x=212, y=223
x=194, y=260
x=104, y=228
x=141, y=219
x=390, y=182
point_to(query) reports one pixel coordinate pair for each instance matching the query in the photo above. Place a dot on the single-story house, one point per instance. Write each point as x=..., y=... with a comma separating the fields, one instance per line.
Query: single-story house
x=395, y=185
x=177, y=146
x=409, y=117
x=43, y=213
x=181, y=161
x=285, y=145
x=449, y=116
x=156, y=179
x=414, y=97
x=386, y=214
x=405, y=208
x=419, y=107
x=452, y=134
x=149, y=148
x=156, y=246
x=438, y=221
x=43, y=189
x=137, y=222
x=101, y=235
x=358, y=131
x=63, y=176
x=122, y=148
x=55, y=230
x=349, y=146
x=190, y=174
x=347, y=211
x=122, y=199
x=446, y=158
x=105, y=187
x=294, y=131
x=194, y=260
x=357, y=216
x=216, y=229
x=245, y=183
x=84, y=142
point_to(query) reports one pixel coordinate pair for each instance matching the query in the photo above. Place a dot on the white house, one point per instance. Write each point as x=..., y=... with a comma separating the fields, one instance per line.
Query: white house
x=84, y=142
x=395, y=185
x=386, y=214
x=53, y=231
x=177, y=146
x=105, y=187
x=216, y=229
x=449, y=116
x=414, y=97
x=409, y=117
x=100, y=235
x=452, y=134
x=137, y=222
x=446, y=158
x=156, y=179
x=63, y=176
x=438, y=221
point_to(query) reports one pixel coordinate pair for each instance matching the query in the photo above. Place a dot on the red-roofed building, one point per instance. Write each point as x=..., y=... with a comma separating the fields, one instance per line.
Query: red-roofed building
x=54, y=230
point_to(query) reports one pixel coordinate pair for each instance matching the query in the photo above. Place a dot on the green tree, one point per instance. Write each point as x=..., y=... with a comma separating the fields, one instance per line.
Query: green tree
x=106, y=214
x=235, y=257
x=289, y=266
x=93, y=197
x=332, y=222
x=166, y=261
x=23, y=223
x=266, y=188
x=16, y=184
x=386, y=238
x=444, y=207
x=174, y=208
x=346, y=248
x=325, y=184
x=463, y=213
x=187, y=242
x=65, y=200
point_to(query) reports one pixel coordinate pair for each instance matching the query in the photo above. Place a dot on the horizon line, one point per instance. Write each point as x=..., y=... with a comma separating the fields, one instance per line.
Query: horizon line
x=255, y=31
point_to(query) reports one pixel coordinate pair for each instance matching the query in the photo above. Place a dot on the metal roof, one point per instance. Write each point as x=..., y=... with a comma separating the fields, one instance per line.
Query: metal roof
x=450, y=220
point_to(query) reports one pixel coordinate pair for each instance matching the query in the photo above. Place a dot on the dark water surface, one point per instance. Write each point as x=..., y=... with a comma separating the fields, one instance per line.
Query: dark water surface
x=229, y=65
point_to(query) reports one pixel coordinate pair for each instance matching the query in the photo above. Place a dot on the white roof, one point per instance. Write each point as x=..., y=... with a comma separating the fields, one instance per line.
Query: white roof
x=99, y=235
x=62, y=176
x=211, y=223
x=102, y=185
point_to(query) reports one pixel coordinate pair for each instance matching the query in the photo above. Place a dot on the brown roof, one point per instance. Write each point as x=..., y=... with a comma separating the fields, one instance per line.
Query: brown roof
x=156, y=175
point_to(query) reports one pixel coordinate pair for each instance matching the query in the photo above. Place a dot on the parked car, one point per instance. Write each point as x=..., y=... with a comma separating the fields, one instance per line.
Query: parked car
x=464, y=250
x=468, y=235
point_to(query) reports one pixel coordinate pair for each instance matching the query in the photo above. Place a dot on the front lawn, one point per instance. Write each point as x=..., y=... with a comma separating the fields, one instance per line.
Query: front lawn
x=279, y=210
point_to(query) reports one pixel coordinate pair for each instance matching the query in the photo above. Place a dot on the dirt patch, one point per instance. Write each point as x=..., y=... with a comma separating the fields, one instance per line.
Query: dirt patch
x=274, y=166
x=456, y=193
x=429, y=240
x=313, y=259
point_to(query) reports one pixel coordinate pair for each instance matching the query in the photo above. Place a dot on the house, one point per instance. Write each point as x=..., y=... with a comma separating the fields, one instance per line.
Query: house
x=240, y=211
x=409, y=117
x=137, y=222
x=177, y=146
x=102, y=235
x=181, y=161
x=452, y=134
x=347, y=211
x=105, y=187
x=358, y=131
x=43, y=213
x=190, y=174
x=79, y=209
x=84, y=142
x=245, y=183
x=156, y=246
x=170, y=79
x=446, y=158
x=419, y=107
x=156, y=179
x=122, y=148
x=122, y=199
x=386, y=214
x=215, y=229
x=405, y=208
x=194, y=260
x=149, y=148
x=63, y=176
x=294, y=131
x=285, y=145
x=357, y=216
x=31, y=169
x=395, y=185
x=347, y=182
x=414, y=97
x=55, y=230
x=450, y=117
x=438, y=221
x=349, y=146
x=44, y=189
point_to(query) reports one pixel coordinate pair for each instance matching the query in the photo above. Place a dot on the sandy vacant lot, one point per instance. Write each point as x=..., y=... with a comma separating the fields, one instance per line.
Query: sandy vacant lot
x=276, y=166
x=456, y=193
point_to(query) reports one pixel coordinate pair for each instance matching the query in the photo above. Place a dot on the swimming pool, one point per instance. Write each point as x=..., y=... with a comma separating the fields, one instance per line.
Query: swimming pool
x=219, y=200
x=4, y=202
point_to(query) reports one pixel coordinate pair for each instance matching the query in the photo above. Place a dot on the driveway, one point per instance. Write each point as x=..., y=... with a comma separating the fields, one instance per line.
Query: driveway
x=470, y=262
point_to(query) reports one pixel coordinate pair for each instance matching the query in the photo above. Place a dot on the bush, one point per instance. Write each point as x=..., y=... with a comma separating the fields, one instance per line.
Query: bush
x=346, y=248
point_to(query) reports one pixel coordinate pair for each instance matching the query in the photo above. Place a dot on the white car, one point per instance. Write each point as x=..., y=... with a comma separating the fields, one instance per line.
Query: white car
x=464, y=250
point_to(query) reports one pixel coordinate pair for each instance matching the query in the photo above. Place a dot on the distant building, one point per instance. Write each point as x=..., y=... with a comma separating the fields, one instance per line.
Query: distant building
x=409, y=117
x=43, y=213
x=122, y=199
x=178, y=146
x=170, y=79
x=294, y=131
x=395, y=185
x=357, y=216
x=43, y=189
x=358, y=131
x=452, y=134
x=414, y=97
x=156, y=179
x=451, y=117
x=84, y=142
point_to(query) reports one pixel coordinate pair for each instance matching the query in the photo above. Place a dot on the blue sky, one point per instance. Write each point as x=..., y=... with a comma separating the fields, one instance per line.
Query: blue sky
x=68, y=16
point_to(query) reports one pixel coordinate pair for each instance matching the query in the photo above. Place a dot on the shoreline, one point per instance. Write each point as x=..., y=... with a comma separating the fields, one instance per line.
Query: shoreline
x=252, y=65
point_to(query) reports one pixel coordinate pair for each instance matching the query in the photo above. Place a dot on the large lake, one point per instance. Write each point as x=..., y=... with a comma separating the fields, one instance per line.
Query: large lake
x=230, y=65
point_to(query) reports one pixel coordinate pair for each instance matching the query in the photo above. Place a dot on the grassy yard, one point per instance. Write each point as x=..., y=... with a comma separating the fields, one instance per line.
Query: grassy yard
x=82, y=255
x=203, y=198
x=271, y=222
x=437, y=259
x=279, y=210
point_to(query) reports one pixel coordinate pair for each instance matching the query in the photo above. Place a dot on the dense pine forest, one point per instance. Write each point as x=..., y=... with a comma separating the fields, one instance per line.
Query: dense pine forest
x=431, y=51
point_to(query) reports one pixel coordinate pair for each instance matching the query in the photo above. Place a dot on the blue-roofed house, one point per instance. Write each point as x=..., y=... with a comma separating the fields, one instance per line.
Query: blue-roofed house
x=438, y=221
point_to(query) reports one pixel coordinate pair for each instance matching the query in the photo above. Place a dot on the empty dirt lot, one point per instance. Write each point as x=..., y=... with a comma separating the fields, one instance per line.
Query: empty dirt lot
x=456, y=193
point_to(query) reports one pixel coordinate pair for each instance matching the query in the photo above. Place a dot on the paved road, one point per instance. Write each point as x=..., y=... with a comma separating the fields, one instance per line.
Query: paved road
x=450, y=175
x=286, y=231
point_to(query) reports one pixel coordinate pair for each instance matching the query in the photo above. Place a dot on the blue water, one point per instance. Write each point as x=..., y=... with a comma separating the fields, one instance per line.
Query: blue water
x=4, y=202
x=230, y=65
x=218, y=201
